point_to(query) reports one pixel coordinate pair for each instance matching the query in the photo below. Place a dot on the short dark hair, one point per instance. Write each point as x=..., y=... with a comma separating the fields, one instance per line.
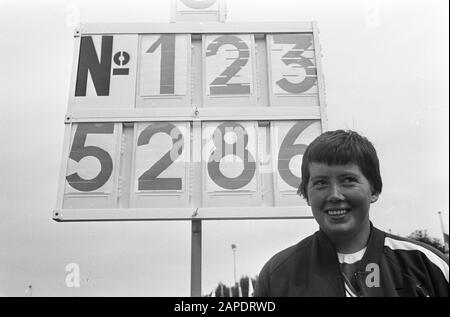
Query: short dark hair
x=339, y=148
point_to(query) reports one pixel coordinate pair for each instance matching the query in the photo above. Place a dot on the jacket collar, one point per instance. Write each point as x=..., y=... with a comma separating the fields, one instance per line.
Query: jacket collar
x=328, y=263
x=375, y=245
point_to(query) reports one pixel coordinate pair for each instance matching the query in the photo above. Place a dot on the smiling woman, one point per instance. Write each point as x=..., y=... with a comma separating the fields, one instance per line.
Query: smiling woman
x=340, y=180
x=387, y=79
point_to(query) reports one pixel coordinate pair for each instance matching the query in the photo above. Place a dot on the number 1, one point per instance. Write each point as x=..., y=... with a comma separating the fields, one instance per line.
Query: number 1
x=167, y=70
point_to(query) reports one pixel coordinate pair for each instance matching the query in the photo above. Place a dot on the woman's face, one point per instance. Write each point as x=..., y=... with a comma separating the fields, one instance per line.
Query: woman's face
x=340, y=198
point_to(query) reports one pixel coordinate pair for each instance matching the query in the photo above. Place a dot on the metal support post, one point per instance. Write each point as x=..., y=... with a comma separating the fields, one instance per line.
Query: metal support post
x=196, y=259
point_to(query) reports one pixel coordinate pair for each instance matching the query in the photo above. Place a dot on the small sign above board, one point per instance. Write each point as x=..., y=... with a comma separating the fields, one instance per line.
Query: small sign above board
x=198, y=11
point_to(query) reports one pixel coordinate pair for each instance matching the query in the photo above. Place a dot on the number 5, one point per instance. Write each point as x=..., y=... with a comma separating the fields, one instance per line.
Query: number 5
x=80, y=151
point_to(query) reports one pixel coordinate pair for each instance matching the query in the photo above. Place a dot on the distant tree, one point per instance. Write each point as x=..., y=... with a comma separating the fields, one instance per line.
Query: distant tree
x=223, y=290
x=235, y=290
x=422, y=236
x=244, y=285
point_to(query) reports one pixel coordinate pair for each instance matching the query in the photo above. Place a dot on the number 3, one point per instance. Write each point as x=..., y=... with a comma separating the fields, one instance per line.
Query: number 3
x=294, y=57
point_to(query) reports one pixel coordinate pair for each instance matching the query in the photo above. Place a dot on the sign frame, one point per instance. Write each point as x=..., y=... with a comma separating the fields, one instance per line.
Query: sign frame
x=196, y=116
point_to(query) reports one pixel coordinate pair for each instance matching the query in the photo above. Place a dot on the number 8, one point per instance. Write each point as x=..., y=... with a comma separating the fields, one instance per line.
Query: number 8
x=214, y=161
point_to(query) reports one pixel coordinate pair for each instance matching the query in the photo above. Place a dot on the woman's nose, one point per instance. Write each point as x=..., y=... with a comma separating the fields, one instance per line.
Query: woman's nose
x=335, y=193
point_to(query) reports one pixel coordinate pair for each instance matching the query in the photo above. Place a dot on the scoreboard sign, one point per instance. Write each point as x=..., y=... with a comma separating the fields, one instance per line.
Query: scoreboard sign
x=190, y=121
x=198, y=10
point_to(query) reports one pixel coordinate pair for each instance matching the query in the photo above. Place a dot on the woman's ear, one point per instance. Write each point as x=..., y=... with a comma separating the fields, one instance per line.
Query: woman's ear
x=299, y=192
x=373, y=198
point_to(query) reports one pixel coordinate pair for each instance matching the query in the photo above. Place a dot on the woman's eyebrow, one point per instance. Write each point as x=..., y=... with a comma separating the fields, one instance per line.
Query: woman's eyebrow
x=318, y=177
x=348, y=173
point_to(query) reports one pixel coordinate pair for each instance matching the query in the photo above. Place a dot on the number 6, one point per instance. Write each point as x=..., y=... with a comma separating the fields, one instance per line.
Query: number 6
x=288, y=150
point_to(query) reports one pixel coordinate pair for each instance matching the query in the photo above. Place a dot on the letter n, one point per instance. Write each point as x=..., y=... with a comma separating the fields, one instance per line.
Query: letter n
x=88, y=62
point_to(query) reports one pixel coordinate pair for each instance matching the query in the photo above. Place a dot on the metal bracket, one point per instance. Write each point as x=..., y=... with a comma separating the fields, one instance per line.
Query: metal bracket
x=196, y=113
x=77, y=32
x=57, y=215
x=67, y=119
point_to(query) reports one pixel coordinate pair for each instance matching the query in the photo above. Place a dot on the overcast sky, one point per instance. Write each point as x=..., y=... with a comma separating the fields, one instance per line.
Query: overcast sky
x=386, y=74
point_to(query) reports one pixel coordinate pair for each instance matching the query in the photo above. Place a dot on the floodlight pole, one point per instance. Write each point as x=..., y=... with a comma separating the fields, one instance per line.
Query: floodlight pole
x=444, y=235
x=233, y=247
x=442, y=224
x=196, y=259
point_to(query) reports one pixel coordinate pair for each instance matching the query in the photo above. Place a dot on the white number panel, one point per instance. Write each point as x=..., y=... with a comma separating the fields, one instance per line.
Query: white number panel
x=293, y=73
x=290, y=139
x=230, y=163
x=229, y=70
x=161, y=164
x=105, y=75
x=92, y=165
x=164, y=70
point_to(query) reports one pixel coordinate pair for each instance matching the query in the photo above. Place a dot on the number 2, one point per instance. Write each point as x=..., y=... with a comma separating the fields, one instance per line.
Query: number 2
x=149, y=180
x=220, y=85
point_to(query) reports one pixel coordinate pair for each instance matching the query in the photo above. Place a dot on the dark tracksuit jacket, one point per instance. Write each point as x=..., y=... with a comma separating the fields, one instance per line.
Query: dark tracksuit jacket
x=311, y=268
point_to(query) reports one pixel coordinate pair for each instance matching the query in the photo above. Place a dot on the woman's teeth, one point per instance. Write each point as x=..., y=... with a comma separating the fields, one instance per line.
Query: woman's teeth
x=337, y=212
